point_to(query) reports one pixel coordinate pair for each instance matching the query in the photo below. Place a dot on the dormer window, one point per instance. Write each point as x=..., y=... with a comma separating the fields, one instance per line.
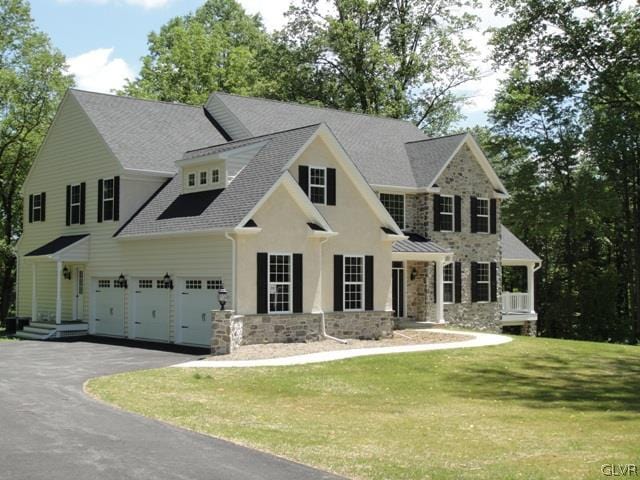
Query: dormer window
x=215, y=175
x=318, y=185
x=203, y=178
x=191, y=180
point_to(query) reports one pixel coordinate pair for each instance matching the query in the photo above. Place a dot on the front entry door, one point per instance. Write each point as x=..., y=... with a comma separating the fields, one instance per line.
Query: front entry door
x=398, y=288
x=79, y=294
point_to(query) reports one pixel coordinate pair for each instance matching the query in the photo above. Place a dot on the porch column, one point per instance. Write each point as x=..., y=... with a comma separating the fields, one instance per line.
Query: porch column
x=530, y=287
x=440, y=290
x=59, y=292
x=34, y=297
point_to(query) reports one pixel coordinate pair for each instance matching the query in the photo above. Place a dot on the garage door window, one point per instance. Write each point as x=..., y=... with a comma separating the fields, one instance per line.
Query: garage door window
x=160, y=284
x=104, y=283
x=145, y=283
x=214, y=284
x=194, y=284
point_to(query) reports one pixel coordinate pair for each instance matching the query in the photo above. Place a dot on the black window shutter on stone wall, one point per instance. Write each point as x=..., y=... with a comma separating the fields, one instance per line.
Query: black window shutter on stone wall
x=30, y=208
x=100, y=196
x=337, y=283
x=458, y=213
x=458, y=282
x=43, y=206
x=116, y=198
x=368, y=282
x=494, y=282
x=68, y=216
x=262, y=282
x=474, y=217
x=436, y=213
x=83, y=198
x=493, y=215
x=303, y=178
x=331, y=186
x=474, y=281
x=297, y=283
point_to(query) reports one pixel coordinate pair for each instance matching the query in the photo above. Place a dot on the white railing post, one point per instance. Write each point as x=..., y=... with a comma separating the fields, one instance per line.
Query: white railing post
x=59, y=292
x=530, y=287
x=440, y=290
x=34, y=296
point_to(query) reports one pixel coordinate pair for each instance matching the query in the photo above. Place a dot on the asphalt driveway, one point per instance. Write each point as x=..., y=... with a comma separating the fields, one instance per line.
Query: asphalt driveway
x=49, y=429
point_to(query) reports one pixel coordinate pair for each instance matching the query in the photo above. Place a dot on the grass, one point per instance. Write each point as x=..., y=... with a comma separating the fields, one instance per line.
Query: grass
x=531, y=409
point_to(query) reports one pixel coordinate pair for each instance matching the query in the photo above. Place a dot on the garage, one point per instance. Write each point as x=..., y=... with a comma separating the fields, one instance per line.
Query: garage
x=197, y=297
x=150, y=307
x=108, y=307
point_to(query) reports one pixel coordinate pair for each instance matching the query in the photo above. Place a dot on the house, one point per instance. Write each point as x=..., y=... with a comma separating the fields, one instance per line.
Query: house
x=316, y=221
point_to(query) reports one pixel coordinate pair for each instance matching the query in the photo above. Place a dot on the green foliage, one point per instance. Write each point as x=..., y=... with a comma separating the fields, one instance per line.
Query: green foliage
x=32, y=81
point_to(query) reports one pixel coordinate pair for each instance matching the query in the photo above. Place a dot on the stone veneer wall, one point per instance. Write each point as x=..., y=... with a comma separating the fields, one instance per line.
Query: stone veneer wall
x=230, y=331
x=463, y=177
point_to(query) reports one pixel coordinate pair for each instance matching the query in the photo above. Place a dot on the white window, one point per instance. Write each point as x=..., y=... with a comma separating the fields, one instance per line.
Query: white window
x=394, y=203
x=448, y=283
x=279, y=283
x=193, y=284
x=482, y=282
x=104, y=283
x=107, y=199
x=215, y=175
x=203, y=178
x=37, y=207
x=318, y=185
x=145, y=283
x=353, y=283
x=482, y=215
x=75, y=204
x=214, y=284
x=191, y=180
x=446, y=213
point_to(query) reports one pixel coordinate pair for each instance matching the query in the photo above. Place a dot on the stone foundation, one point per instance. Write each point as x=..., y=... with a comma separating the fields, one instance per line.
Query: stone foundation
x=230, y=331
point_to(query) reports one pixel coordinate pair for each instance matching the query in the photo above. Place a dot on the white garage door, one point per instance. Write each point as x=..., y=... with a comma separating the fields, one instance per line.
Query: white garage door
x=198, y=296
x=109, y=307
x=151, y=309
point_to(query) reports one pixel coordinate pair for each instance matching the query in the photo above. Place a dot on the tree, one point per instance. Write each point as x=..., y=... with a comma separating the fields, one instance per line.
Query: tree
x=32, y=81
x=216, y=48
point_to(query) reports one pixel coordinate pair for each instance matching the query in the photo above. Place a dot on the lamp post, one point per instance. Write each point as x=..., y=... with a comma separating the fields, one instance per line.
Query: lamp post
x=222, y=297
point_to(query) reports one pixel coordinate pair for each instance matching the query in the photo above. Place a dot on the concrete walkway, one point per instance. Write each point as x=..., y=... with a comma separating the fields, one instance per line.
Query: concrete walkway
x=479, y=340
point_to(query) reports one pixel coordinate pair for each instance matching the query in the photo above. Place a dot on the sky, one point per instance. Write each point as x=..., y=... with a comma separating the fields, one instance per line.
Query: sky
x=104, y=40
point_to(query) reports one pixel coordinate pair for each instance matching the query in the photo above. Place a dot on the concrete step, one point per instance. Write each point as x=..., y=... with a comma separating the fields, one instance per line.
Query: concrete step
x=38, y=330
x=43, y=325
x=31, y=336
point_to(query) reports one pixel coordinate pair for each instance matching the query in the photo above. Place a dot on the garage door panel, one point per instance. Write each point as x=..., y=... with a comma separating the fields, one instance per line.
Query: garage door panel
x=198, y=296
x=109, y=308
x=151, y=311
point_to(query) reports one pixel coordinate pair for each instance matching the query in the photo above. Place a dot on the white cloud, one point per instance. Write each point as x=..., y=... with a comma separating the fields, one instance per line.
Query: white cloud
x=96, y=71
x=272, y=11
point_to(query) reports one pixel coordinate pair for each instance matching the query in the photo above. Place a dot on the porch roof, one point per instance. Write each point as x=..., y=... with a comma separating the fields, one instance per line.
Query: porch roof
x=513, y=250
x=417, y=244
x=66, y=247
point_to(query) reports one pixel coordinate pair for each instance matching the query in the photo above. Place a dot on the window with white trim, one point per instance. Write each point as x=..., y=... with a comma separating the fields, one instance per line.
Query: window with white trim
x=318, y=185
x=482, y=215
x=214, y=284
x=394, y=203
x=203, y=178
x=448, y=283
x=483, y=289
x=76, y=199
x=353, y=283
x=191, y=180
x=446, y=213
x=215, y=175
x=279, y=283
x=37, y=207
x=107, y=199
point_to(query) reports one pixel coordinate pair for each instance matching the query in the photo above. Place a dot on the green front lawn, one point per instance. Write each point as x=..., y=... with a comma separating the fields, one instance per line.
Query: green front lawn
x=531, y=409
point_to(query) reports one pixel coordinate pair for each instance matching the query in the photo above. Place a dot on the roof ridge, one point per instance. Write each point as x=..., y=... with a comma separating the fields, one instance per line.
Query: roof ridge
x=438, y=138
x=318, y=107
x=129, y=97
x=258, y=137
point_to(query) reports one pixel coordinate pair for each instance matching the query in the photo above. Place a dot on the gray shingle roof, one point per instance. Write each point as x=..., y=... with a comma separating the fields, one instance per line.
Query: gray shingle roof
x=514, y=249
x=427, y=157
x=236, y=201
x=375, y=144
x=146, y=134
x=417, y=244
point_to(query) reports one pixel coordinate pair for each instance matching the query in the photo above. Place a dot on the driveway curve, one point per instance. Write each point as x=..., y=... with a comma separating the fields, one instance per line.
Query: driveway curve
x=49, y=428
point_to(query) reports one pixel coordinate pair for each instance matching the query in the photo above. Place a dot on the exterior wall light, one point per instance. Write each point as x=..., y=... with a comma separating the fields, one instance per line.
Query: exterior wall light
x=66, y=273
x=168, y=283
x=122, y=281
x=222, y=297
x=414, y=273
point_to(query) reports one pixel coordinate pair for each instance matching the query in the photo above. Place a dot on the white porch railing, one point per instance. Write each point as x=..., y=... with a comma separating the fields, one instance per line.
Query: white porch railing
x=515, y=302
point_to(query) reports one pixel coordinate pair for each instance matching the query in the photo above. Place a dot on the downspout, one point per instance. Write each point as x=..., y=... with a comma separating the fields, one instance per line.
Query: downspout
x=234, y=291
x=323, y=324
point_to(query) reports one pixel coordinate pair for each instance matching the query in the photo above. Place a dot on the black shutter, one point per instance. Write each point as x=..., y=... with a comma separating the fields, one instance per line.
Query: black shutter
x=435, y=283
x=436, y=213
x=474, y=283
x=457, y=213
x=303, y=178
x=262, y=283
x=297, y=283
x=83, y=198
x=331, y=186
x=458, y=281
x=116, y=198
x=43, y=206
x=474, y=217
x=494, y=282
x=30, y=208
x=368, y=282
x=100, y=195
x=492, y=215
x=68, y=205
x=337, y=283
